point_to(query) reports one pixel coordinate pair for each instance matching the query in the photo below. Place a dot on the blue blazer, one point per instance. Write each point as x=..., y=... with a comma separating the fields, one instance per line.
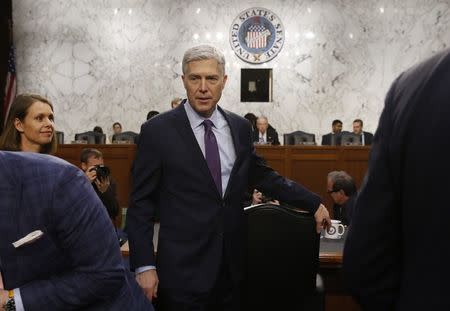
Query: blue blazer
x=76, y=264
x=198, y=228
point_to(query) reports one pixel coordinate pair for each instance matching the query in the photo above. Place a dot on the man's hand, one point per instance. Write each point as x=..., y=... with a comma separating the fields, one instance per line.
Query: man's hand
x=148, y=280
x=322, y=217
x=91, y=174
x=3, y=297
x=102, y=185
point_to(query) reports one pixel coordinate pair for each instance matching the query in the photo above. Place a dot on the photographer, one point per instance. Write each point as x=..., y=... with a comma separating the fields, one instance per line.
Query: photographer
x=257, y=197
x=98, y=174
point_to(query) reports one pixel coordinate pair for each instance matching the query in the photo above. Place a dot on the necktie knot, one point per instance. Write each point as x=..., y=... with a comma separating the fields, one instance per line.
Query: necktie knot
x=208, y=124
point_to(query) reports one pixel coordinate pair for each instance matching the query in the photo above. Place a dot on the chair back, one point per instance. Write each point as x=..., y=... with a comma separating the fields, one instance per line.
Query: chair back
x=125, y=137
x=350, y=139
x=299, y=138
x=282, y=258
x=60, y=137
x=91, y=137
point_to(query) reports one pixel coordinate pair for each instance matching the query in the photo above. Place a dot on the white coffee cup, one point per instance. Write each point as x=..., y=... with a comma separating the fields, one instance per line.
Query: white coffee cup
x=336, y=230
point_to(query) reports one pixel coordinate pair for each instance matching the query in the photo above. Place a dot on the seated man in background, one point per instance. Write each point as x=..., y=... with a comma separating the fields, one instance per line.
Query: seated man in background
x=98, y=174
x=265, y=134
x=117, y=128
x=333, y=138
x=366, y=137
x=252, y=119
x=58, y=249
x=342, y=189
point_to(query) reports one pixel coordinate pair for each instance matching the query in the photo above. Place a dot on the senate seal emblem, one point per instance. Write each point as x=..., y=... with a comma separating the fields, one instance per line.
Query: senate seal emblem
x=257, y=35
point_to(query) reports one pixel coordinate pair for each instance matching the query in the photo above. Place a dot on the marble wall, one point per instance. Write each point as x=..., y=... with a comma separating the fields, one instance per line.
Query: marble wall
x=114, y=60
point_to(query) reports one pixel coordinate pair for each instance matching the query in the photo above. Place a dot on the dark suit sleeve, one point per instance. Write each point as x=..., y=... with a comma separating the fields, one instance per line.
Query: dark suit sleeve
x=326, y=140
x=275, y=142
x=80, y=226
x=109, y=199
x=255, y=136
x=372, y=249
x=140, y=215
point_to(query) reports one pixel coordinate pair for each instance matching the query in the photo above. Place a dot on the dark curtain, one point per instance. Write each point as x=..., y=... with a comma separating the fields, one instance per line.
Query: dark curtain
x=5, y=43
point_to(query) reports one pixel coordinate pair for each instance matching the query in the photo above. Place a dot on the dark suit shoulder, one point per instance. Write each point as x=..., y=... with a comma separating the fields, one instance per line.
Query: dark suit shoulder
x=32, y=166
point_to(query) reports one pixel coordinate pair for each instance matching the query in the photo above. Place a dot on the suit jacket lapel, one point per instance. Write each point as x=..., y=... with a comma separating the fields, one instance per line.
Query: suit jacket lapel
x=181, y=123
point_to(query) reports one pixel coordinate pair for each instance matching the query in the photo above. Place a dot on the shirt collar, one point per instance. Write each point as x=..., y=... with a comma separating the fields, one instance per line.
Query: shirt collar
x=196, y=120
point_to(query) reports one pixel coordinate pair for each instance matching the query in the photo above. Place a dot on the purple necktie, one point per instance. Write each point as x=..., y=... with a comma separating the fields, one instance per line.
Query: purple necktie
x=212, y=154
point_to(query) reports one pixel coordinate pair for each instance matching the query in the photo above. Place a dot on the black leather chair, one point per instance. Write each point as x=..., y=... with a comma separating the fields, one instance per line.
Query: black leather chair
x=127, y=137
x=60, y=137
x=282, y=260
x=91, y=137
x=350, y=139
x=299, y=138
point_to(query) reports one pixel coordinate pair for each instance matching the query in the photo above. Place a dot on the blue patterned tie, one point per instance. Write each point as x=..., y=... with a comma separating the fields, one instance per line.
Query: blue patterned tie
x=212, y=154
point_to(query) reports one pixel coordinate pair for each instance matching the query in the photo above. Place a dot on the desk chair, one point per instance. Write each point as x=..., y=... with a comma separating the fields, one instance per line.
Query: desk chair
x=128, y=136
x=60, y=137
x=91, y=137
x=299, y=138
x=282, y=260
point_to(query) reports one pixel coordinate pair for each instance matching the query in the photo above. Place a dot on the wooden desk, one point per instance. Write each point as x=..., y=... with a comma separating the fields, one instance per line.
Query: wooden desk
x=308, y=165
x=330, y=268
x=327, y=259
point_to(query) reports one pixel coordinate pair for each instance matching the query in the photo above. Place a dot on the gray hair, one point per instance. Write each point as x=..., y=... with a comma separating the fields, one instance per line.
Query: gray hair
x=342, y=181
x=203, y=52
x=263, y=118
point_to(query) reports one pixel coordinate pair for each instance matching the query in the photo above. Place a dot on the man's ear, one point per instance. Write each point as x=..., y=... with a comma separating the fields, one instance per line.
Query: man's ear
x=84, y=166
x=225, y=78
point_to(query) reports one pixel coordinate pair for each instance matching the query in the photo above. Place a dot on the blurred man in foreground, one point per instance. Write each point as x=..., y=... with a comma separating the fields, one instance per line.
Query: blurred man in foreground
x=396, y=255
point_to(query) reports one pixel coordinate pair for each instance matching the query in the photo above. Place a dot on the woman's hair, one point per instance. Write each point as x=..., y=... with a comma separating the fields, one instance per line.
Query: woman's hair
x=10, y=139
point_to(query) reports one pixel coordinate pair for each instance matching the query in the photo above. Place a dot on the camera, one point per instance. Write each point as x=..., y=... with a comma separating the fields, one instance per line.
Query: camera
x=102, y=171
x=266, y=199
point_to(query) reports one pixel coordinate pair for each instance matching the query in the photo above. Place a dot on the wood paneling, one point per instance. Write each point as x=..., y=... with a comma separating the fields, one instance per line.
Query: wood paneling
x=308, y=165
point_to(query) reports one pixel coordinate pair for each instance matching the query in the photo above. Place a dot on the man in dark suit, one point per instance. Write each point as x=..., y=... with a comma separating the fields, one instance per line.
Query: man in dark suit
x=333, y=138
x=396, y=255
x=342, y=189
x=265, y=133
x=197, y=174
x=58, y=248
x=366, y=137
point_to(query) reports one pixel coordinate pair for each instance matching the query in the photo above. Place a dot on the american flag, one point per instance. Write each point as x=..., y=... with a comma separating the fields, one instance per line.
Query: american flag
x=11, y=85
x=257, y=36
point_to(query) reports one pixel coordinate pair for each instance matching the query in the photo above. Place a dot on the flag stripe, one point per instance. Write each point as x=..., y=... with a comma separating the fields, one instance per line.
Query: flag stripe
x=11, y=85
